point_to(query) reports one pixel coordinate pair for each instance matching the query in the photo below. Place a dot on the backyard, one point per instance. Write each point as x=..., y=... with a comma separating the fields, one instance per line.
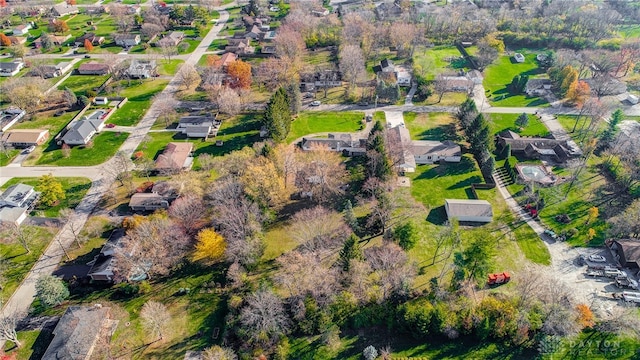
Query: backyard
x=499, y=74
x=80, y=84
x=104, y=146
x=140, y=94
x=312, y=122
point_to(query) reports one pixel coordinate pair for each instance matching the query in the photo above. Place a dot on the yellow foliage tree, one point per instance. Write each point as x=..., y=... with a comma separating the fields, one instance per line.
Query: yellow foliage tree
x=585, y=316
x=578, y=92
x=210, y=246
x=591, y=233
x=264, y=183
x=495, y=43
x=593, y=214
x=569, y=75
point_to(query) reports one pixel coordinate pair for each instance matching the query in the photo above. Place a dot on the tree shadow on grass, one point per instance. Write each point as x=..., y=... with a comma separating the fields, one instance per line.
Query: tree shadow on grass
x=41, y=343
x=467, y=182
x=437, y=216
x=441, y=133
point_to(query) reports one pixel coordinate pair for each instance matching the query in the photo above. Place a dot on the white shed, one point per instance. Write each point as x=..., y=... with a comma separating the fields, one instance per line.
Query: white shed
x=468, y=210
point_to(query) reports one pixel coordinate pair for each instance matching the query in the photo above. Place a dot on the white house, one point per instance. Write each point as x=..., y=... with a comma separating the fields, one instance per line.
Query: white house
x=21, y=30
x=127, y=40
x=403, y=78
x=198, y=126
x=15, y=203
x=10, y=68
x=519, y=58
x=468, y=210
x=429, y=152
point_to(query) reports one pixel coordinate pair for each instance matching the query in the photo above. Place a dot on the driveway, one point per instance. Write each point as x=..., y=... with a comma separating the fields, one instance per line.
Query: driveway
x=394, y=118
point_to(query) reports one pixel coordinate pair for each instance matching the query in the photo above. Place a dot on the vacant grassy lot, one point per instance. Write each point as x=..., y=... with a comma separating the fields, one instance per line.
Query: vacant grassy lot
x=501, y=122
x=311, y=122
x=80, y=84
x=499, y=74
x=17, y=262
x=429, y=62
x=74, y=188
x=140, y=95
x=431, y=126
x=105, y=145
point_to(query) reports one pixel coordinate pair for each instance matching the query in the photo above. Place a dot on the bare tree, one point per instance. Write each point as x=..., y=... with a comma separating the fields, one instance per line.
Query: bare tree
x=321, y=174
x=303, y=274
x=263, y=319
x=124, y=22
x=155, y=318
x=272, y=73
x=188, y=76
x=167, y=104
x=351, y=64
x=15, y=233
x=290, y=46
x=151, y=30
x=392, y=265
x=167, y=50
x=403, y=36
x=448, y=237
x=318, y=228
x=229, y=101
x=8, y=324
x=67, y=215
x=218, y=353
x=621, y=320
x=25, y=92
x=119, y=167
x=189, y=212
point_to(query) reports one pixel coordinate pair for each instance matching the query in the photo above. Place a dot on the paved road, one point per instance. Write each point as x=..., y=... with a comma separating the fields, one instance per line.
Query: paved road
x=21, y=299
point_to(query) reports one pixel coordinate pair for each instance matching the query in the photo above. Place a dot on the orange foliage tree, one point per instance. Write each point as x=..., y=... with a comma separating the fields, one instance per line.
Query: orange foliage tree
x=4, y=40
x=578, y=92
x=71, y=2
x=212, y=60
x=59, y=26
x=240, y=74
x=585, y=316
x=88, y=45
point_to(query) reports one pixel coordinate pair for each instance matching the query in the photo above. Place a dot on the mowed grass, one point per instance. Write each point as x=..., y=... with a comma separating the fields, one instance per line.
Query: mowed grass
x=429, y=62
x=17, y=262
x=431, y=126
x=169, y=67
x=105, y=145
x=140, y=94
x=75, y=188
x=311, y=122
x=502, y=122
x=499, y=74
x=6, y=156
x=80, y=84
x=47, y=121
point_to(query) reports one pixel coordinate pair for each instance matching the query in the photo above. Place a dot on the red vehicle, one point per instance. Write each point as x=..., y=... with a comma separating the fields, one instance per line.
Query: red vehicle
x=532, y=210
x=498, y=278
x=110, y=126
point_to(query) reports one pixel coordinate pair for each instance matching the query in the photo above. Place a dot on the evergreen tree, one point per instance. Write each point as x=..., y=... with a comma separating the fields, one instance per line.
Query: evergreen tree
x=277, y=117
x=522, y=121
x=295, y=98
x=407, y=235
x=612, y=129
x=350, y=217
x=467, y=112
x=350, y=251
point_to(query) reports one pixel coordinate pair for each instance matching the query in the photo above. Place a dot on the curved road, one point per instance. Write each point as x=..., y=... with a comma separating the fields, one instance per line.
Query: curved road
x=21, y=299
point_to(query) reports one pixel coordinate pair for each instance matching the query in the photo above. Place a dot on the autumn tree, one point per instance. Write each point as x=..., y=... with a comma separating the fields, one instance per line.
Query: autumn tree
x=210, y=246
x=4, y=40
x=578, y=92
x=351, y=62
x=27, y=93
x=51, y=191
x=568, y=77
x=592, y=214
x=240, y=74
x=277, y=117
x=88, y=45
x=58, y=26
x=188, y=211
x=264, y=184
x=155, y=318
x=51, y=290
x=318, y=228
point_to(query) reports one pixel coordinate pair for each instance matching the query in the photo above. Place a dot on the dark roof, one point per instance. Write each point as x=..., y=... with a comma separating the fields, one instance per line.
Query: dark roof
x=92, y=66
x=386, y=63
x=377, y=69
x=9, y=66
x=196, y=120
x=101, y=264
x=76, y=333
x=631, y=249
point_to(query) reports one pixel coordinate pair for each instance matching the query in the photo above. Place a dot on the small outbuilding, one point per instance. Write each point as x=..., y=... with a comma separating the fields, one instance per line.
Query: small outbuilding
x=468, y=210
x=519, y=58
x=626, y=251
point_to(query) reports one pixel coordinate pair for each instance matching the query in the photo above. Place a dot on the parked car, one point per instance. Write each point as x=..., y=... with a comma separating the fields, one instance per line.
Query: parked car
x=87, y=56
x=597, y=258
x=29, y=149
x=110, y=126
x=315, y=103
x=582, y=260
x=308, y=95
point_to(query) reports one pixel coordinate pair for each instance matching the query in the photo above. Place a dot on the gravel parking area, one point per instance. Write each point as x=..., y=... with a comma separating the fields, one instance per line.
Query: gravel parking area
x=593, y=291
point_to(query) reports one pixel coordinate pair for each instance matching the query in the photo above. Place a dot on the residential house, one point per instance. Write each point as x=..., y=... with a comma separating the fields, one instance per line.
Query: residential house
x=21, y=30
x=17, y=40
x=103, y=265
x=134, y=9
x=255, y=33
x=173, y=39
x=225, y=60
x=629, y=135
x=320, y=79
x=148, y=202
x=539, y=148
x=142, y=69
x=240, y=46
x=198, y=126
x=519, y=58
x=77, y=332
x=386, y=11
x=403, y=78
x=268, y=49
x=63, y=9
x=385, y=66
x=25, y=138
x=57, y=40
x=429, y=152
x=468, y=210
x=626, y=251
x=95, y=9
x=94, y=68
x=538, y=87
x=81, y=131
x=16, y=202
x=269, y=36
x=51, y=71
x=457, y=84
x=10, y=116
x=320, y=12
x=126, y=40
x=175, y=157
x=400, y=152
x=93, y=39
x=10, y=68
x=346, y=143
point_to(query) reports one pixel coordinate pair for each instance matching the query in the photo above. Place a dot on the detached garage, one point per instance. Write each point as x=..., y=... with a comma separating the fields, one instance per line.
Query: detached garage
x=465, y=210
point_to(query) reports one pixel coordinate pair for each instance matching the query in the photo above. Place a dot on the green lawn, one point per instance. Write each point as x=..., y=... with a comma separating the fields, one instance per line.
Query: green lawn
x=169, y=67
x=429, y=62
x=311, y=122
x=501, y=122
x=81, y=83
x=140, y=95
x=75, y=189
x=17, y=261
x=47, y=121
x=431, y=126
x=7, y=156
x=105, y=145
x=499, y=74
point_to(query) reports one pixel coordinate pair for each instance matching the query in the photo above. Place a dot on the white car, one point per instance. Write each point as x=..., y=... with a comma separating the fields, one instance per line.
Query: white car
x=29, y=149
x=315, y=103
x=597, y=258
